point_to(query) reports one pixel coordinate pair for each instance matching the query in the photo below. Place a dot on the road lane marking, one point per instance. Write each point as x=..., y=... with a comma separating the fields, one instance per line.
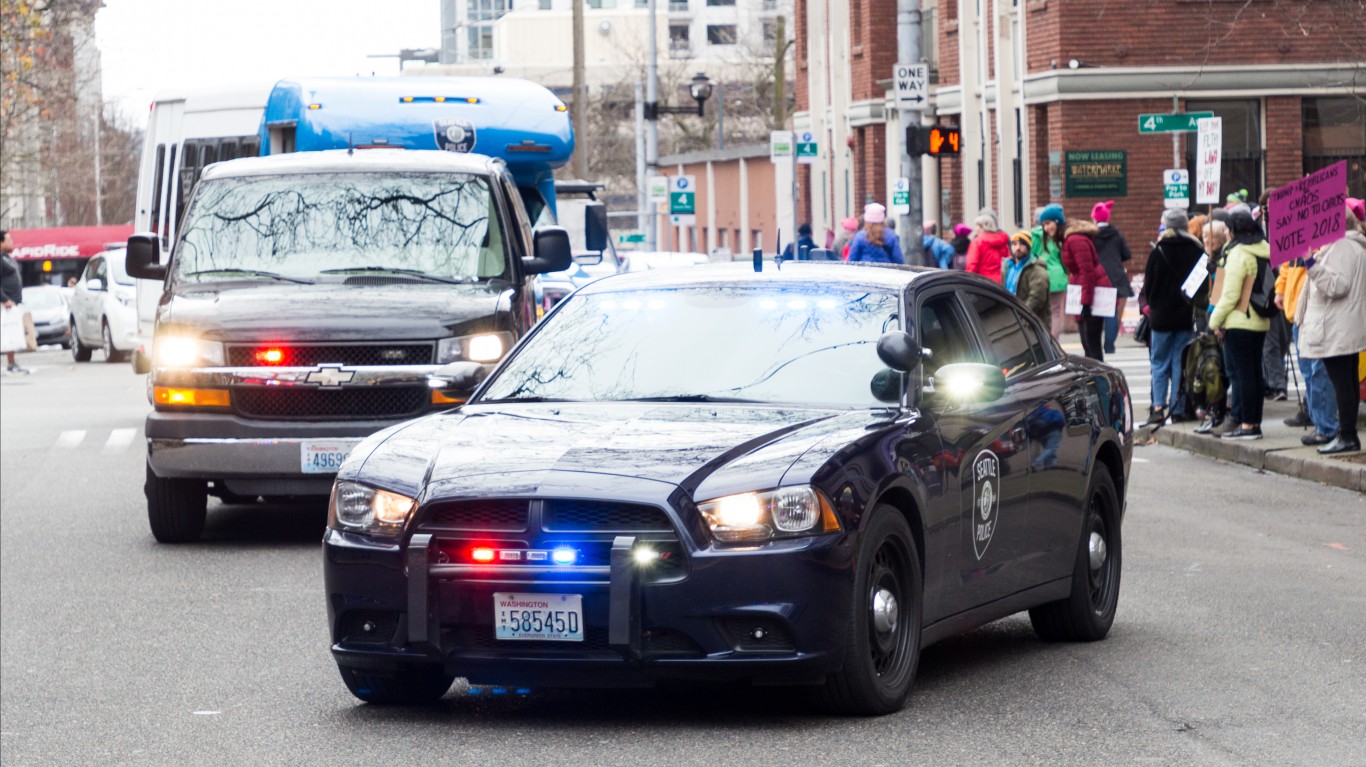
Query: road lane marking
x=71, y=438
x=120, y=439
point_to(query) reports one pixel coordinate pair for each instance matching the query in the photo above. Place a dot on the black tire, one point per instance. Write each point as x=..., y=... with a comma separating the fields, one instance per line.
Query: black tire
x=405, y=686
x=880, y=653
x=1088, y=612
x=176, y=508
x=79, y=351
x=111, y=353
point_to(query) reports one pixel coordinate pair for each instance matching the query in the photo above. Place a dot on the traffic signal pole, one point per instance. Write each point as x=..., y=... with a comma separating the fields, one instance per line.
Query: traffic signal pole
x=908, y=52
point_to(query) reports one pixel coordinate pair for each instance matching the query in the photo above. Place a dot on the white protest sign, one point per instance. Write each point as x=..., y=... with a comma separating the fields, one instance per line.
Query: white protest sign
x=1209, y=145
x=1199, y=273
x=1103, y=301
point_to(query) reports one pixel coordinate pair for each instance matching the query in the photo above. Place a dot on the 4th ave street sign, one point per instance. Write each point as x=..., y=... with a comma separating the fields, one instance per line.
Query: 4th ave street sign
x=1170, y=123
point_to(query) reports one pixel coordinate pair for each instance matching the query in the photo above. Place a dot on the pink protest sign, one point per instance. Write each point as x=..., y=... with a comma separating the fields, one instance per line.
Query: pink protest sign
x=1308, y=213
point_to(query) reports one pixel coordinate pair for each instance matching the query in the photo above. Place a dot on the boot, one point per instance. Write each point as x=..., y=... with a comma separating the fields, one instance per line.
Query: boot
x=1341, y=444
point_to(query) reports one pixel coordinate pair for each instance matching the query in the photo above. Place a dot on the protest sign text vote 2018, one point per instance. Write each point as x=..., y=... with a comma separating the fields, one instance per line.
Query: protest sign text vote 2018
x=1307, y=213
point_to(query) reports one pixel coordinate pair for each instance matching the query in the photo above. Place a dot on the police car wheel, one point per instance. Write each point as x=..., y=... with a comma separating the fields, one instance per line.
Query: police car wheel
x=176, y=508
x=79, y=351
x=882, y=648
x=406, y=686
x=1087, y=614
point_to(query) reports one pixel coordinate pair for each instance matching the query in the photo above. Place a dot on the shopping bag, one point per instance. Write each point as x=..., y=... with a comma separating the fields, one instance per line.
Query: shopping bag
x=12, y=330
x=30, y=333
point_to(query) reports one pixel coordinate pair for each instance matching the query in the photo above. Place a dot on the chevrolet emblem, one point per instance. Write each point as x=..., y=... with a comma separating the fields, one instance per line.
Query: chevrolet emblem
x=330, y=375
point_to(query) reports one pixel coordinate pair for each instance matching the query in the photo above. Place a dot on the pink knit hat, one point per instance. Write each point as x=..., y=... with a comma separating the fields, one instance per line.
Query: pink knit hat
x=1101, y=212
x=874, y=213
x=1358, y=207
x=850, y=224
x=961, y=229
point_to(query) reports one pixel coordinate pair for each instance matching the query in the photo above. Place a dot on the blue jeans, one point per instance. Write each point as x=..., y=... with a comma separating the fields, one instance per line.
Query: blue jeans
x=1318, y=392
x=1164, y=360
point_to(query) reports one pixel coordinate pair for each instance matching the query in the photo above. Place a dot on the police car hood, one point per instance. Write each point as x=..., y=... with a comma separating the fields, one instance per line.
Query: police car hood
x=708, y=450
x=284, y=312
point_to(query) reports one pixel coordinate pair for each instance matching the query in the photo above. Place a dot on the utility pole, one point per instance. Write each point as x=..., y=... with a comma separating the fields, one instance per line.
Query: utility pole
x=652, y=124
x=579, y=105
x=908, y=52
x=643, y=204
x=779, y=72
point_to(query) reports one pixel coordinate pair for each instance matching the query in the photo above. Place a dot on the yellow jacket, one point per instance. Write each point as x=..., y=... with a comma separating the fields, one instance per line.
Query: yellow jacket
x=1288, y=286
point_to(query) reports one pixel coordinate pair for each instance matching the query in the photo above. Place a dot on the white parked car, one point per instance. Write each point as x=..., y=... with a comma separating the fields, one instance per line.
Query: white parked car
x=104, y=311
x=644, y=261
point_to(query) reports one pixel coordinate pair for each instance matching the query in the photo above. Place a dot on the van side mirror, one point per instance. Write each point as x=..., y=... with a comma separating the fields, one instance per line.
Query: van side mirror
x=970, y=382
x=457, y=380
x=143, y=257
x=552, y=252
x=595, y=227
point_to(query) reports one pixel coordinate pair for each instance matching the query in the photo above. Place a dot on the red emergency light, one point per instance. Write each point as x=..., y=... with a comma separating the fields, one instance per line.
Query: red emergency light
x=270, y=356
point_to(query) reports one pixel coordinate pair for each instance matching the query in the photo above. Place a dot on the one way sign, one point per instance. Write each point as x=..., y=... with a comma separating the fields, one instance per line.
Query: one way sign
x=912, y=86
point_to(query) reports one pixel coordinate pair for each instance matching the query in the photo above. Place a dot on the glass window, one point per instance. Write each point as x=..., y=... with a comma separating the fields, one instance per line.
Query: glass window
x=781, y=345
x=409, y=228
x=1007, y=345
x=721, y=34
x=250, y=147
x=942, y=331
x=714, y=3
x=602, y=3
x=158, y=176
x=1335, y=130
x=1242, y=152
x=93, y=268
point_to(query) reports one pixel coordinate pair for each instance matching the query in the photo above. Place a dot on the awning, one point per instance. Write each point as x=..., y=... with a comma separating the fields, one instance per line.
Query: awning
x=66, y=241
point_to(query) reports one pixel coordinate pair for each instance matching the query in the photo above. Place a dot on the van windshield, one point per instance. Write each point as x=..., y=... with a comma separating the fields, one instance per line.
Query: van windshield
x=309, y=227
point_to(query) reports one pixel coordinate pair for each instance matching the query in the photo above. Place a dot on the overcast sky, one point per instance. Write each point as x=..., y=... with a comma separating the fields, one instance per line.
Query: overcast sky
x=151, y=45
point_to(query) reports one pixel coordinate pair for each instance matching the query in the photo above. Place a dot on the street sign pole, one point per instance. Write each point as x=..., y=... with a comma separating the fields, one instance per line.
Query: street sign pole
x=1176, y=137
x=908, y=113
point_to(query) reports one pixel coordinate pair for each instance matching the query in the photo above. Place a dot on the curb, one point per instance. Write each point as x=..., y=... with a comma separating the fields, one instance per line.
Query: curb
x=1301, y=462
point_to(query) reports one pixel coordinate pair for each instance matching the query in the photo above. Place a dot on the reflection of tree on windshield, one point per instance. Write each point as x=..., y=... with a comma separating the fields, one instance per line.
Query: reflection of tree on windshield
x=763, y=345
x=299, y=226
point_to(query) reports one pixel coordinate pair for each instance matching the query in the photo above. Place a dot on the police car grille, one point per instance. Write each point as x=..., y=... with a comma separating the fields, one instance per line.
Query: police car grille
x=602, y=516
x=308, y=355
x=298, y=402
x=492, y=514
x=481, y=638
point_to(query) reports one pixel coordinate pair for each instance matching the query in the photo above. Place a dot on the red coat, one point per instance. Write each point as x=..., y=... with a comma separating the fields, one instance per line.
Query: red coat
x=1080, y=260
x=986, y=252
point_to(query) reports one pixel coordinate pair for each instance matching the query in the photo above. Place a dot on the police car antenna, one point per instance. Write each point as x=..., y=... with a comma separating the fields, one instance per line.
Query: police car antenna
x=350, y=144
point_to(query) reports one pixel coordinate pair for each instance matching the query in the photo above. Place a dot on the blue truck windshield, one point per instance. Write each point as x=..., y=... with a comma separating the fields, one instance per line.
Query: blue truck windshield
x=318, y=226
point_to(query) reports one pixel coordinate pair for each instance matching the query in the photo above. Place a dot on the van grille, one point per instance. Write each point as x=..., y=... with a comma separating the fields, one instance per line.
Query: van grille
x=308, y=355
x=298, y=402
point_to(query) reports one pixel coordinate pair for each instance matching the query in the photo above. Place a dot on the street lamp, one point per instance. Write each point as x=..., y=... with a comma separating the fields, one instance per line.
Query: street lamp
x=700, y=89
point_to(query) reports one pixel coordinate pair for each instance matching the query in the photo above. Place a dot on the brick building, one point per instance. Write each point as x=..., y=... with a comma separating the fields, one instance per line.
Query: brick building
x=1287, y=78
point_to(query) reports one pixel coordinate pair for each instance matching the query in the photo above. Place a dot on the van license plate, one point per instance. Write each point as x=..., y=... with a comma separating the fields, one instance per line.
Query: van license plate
x=544, y=617
x=324, y=456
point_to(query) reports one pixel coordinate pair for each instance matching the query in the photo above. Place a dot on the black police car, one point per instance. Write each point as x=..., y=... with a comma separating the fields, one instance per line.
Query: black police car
x=798, y=476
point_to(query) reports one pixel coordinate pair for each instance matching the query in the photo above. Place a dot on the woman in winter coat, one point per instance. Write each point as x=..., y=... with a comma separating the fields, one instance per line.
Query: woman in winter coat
x=1332, y=318
x=1170, y=311
x=1084, y=270
x=989, y=248
x=1047, y=248
x=961, y=242
x=1113, y=253
x=1242, y=330
x=875, y=243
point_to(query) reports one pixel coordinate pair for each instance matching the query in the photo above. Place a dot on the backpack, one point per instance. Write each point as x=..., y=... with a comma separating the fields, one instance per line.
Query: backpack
x=1202, y=372
x=1263, y=300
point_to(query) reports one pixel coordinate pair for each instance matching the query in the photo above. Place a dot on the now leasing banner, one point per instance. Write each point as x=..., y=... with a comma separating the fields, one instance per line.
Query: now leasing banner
x=1306, y=214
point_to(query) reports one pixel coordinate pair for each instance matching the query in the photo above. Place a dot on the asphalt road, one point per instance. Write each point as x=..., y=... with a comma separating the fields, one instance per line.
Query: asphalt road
x=1240, y=638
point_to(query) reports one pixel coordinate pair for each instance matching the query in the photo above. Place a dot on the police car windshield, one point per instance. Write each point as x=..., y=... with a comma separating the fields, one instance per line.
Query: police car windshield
x=705, y=344
x=313, y=226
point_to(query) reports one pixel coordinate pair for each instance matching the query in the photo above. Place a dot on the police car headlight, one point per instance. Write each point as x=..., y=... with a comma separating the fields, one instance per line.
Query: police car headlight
x=184, y=352
x=484, y=347
x=781, y=513
x=364, y=509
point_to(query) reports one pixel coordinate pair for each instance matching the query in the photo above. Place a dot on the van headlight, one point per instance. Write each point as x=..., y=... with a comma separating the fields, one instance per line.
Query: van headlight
x=185, y=351
x=782, y=513
x=482, y=347
x=358, y=508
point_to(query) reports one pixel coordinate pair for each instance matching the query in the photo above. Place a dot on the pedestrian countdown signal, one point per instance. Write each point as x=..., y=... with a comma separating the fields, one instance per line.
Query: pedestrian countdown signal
x=933, y=140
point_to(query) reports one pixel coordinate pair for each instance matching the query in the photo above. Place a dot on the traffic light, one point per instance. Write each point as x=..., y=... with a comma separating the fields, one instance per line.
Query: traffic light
x=932, y=140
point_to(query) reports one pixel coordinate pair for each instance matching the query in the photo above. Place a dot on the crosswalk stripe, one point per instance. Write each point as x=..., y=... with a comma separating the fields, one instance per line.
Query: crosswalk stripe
x=120, y=438
x=71, y=438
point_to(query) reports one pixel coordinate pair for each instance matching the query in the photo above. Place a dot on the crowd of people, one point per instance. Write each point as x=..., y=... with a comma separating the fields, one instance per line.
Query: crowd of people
x=1207, y=284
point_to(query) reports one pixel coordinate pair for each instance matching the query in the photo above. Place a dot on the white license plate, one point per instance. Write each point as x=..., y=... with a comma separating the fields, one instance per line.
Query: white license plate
x=324, y=456
x=547, y=617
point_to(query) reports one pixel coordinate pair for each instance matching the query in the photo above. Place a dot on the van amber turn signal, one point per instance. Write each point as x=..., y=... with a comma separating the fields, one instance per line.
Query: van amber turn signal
x=166, y=395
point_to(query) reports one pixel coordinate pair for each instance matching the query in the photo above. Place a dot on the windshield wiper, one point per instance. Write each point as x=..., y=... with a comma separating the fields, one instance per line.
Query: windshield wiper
x=397, y=270
x=688, y=398
x=518, y=399
x=252, y=272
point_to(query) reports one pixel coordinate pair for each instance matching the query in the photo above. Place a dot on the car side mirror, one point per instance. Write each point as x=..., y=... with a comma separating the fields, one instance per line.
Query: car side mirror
x=588, y=259
x=457, y=380
x=898, y=351
x=144, y=256
x=94, y=284
x=970, y=382
x=552, y=252
x=595, y=226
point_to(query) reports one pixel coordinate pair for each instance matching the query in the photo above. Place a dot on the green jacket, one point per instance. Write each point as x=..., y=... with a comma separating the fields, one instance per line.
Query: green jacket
x=1047, y=252
x=1033, y=288
x=1239, y=266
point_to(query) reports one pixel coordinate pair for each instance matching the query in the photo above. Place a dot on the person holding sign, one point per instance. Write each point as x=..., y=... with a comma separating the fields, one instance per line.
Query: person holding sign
x=1175, y=265
x=1243, y=330
x=1085, y=276
x=1332, y=318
